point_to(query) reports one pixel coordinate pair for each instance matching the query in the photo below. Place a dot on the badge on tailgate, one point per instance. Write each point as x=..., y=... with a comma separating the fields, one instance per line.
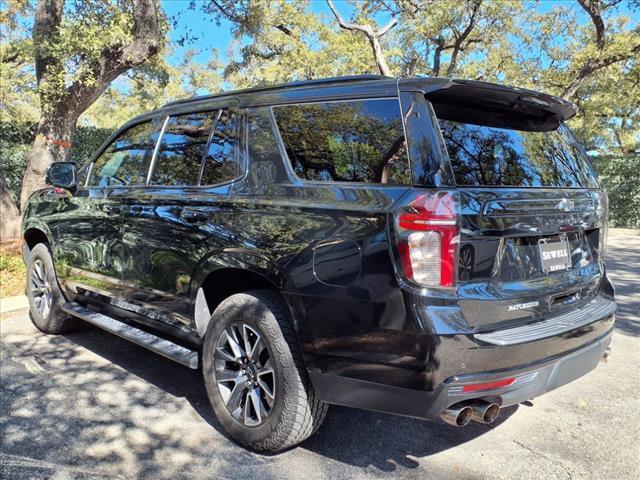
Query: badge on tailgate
x=554, y=254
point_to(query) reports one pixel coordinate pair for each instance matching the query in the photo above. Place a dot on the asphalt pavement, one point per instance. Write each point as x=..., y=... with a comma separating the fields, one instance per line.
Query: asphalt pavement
x=91, y=405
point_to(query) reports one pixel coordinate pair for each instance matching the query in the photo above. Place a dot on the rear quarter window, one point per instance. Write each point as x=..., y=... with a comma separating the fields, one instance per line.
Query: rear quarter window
x=351, y=141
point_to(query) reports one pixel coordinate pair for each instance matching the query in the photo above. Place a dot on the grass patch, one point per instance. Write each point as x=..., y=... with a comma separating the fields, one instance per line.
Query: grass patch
x=12, y=271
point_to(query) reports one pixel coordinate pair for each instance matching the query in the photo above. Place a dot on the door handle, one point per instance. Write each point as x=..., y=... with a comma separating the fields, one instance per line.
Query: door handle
x=194, y=216
x=112, y=209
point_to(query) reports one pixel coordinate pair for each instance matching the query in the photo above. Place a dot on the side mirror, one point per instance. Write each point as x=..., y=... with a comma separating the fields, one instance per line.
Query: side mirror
x=62, y=175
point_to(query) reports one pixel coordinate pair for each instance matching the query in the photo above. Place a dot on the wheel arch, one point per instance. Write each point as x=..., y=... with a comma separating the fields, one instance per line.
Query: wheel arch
x=220, y=276
x=33, y=233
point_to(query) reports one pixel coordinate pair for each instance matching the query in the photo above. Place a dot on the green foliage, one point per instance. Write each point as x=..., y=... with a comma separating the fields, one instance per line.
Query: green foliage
x=150, y=86
x=620, y=175
x=12, y=273
x=90, y=31
x=15, y=145
x=18, y=99
x=287, y=42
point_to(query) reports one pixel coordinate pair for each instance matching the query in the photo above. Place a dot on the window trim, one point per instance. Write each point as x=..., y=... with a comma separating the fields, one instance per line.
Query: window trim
x=203, y=160
x=303, y=181
x=154, y=156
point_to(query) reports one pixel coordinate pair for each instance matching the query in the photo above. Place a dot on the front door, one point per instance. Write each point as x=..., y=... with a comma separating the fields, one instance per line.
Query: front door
x=90, y=254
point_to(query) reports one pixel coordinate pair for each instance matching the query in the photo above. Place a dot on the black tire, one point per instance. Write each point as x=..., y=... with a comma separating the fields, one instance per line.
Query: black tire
x=42, y=286
x=295, y=412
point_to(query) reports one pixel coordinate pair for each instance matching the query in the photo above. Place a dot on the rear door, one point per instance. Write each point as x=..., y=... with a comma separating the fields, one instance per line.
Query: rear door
x=531, y=217
x=169, y=225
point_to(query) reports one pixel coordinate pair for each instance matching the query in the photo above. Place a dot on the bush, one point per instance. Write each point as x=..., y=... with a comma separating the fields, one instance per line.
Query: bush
x=620, y=175
x=12, y=273
x=15, y=144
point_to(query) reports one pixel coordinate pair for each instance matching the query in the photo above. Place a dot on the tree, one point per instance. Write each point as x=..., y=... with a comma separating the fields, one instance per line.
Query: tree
x=153, y=84
x=277, y=41
x=606, y=52
x=373, y=35
x=78, y=52
x=17, y=82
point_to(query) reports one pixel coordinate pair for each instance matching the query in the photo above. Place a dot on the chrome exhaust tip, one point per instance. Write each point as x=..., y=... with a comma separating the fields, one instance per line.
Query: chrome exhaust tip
x=484, y=412
x=457, y=415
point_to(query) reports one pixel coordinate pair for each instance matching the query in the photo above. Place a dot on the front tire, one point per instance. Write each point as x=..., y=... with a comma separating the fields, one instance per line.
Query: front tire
x=44, y=295
x=254, y=374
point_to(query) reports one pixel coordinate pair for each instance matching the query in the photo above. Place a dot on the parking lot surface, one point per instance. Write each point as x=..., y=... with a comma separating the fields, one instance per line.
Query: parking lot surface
x=90, y=405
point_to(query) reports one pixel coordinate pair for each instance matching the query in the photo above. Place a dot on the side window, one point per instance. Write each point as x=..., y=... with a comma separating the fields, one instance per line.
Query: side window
x=355, y=141
x=220, y=162
x=126, y=160
x=182, y=148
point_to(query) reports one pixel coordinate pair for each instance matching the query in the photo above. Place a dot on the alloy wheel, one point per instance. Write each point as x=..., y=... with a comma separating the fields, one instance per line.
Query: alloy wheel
x=40, y=288
x=244, y=374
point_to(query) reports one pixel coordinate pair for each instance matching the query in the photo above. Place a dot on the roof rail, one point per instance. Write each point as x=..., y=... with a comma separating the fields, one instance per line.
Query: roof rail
x=301, y=83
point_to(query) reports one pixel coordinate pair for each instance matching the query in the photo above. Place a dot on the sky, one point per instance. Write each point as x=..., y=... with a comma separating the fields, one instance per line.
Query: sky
x=209, y=35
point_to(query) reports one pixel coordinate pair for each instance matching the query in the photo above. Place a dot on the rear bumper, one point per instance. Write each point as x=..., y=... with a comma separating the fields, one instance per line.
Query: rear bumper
x=532, y=380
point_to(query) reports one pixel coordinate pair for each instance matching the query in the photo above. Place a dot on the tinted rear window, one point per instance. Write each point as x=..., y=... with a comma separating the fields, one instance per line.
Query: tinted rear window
x=482, y=155
x=353, y=141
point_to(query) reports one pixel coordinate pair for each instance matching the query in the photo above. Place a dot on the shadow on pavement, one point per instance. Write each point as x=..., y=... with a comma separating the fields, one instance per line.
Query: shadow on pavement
x=355, y=437
x=623, y=268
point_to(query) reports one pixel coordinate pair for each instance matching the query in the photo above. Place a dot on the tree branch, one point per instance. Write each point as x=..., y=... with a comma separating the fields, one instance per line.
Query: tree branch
x=593, y=66
x=461, y=37
x=372, y=35
x=592, y=7
x=227, y=14
x=45, y=26
x=284, y=29
x=114, y=62
x=380, y=33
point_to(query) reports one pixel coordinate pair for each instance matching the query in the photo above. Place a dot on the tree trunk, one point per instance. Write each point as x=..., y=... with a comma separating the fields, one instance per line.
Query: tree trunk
x=10, y=224
x=383, y=67
x=61, y=111
x=53, y=139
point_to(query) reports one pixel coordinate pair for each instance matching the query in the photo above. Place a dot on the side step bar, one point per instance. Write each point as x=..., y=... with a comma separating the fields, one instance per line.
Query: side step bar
x=166, y=348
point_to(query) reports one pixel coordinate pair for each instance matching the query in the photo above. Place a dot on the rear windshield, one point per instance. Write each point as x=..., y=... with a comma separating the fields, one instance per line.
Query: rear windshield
x=482, y=155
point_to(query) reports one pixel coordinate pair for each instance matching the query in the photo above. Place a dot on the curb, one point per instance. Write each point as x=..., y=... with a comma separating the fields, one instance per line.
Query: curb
x=10, y=304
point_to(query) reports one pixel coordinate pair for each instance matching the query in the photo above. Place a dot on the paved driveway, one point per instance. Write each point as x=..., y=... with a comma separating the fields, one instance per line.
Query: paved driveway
x=89, y=405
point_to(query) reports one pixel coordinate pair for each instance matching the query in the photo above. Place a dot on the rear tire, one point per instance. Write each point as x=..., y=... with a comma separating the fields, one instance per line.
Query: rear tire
x=44, y=295
x=263, y=398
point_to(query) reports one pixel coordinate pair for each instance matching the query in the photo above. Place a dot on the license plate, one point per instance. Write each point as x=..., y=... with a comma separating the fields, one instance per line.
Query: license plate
x=554, y=254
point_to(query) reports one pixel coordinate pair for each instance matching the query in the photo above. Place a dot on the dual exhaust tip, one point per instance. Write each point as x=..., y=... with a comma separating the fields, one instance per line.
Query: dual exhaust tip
x=461, y=414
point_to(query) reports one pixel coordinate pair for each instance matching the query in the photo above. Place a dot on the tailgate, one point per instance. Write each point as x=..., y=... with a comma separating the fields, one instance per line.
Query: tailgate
x=505, y=277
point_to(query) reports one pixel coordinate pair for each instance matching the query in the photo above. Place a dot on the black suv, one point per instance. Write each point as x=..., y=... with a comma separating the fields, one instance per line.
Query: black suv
x=424, y=247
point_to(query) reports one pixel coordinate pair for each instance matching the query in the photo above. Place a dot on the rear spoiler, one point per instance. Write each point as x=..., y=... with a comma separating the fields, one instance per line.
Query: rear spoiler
x=489, y=104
